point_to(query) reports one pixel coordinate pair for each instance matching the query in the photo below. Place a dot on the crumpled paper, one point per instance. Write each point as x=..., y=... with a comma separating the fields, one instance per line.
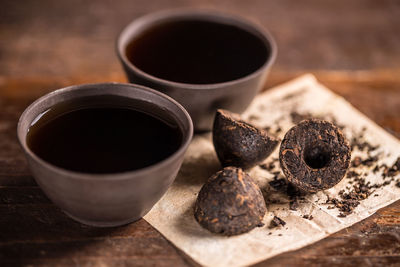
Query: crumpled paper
x=173, y=216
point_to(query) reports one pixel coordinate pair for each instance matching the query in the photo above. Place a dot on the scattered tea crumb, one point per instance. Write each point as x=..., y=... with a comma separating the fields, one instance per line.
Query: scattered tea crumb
x=268, y=167
x=267, y=128
x=376, y=169
x=352, y=174
x=298, y=117
x=294, y=204
x=254, y=117
x=397, y=164
x=356, y=162
x=350, y=200
x=278, y=184
x=276, y=221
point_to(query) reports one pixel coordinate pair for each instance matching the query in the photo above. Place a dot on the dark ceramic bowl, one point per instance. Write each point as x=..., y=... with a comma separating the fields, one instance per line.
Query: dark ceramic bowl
x=107, y=199
x=200, y=100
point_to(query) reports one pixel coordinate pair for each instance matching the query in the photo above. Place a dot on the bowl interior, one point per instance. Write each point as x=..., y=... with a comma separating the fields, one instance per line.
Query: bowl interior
x=111, y=95
x=175, y=46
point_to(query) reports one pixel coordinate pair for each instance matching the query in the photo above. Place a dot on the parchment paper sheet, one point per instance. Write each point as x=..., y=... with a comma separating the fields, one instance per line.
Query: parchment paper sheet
x=173, y=214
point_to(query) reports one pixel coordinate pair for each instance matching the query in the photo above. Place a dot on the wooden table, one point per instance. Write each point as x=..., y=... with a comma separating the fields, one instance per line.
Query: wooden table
x=353, y=47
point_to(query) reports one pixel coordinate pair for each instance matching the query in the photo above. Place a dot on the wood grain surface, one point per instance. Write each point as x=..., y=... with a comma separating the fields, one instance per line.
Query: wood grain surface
x=353, y=47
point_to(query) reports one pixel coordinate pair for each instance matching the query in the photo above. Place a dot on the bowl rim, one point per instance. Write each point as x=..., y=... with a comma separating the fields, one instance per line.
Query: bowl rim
x=108, y=86
x=146, y=21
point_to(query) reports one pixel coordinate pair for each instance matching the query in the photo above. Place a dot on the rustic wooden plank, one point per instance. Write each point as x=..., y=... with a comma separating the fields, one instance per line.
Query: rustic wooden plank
x=125, y=247
x=22, y=195
x=99, y=261
x=43, y=235
x=47, y=223
x=77, y=37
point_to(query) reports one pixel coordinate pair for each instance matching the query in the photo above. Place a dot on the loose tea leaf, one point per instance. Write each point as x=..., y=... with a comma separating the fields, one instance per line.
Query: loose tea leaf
x=239, y=143
x=275, y=222
x=314, y=155
x=230, y=203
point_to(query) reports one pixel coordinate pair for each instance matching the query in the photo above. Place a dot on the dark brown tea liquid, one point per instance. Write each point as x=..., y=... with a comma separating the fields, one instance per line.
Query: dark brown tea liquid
x=101, y=138
x=197, y=52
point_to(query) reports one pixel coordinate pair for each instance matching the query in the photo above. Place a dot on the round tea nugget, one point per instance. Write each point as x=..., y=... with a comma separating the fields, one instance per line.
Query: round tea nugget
x=230, y=203
x=238, y=143
x=314, y=155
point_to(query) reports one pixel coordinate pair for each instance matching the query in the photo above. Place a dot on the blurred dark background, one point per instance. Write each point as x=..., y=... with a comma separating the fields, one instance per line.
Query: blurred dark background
x=69, y=38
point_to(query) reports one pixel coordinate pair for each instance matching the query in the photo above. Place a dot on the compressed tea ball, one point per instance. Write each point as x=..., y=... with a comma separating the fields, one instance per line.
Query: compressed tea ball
x=230, y=203
x=238, y=143
x=314, y=155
